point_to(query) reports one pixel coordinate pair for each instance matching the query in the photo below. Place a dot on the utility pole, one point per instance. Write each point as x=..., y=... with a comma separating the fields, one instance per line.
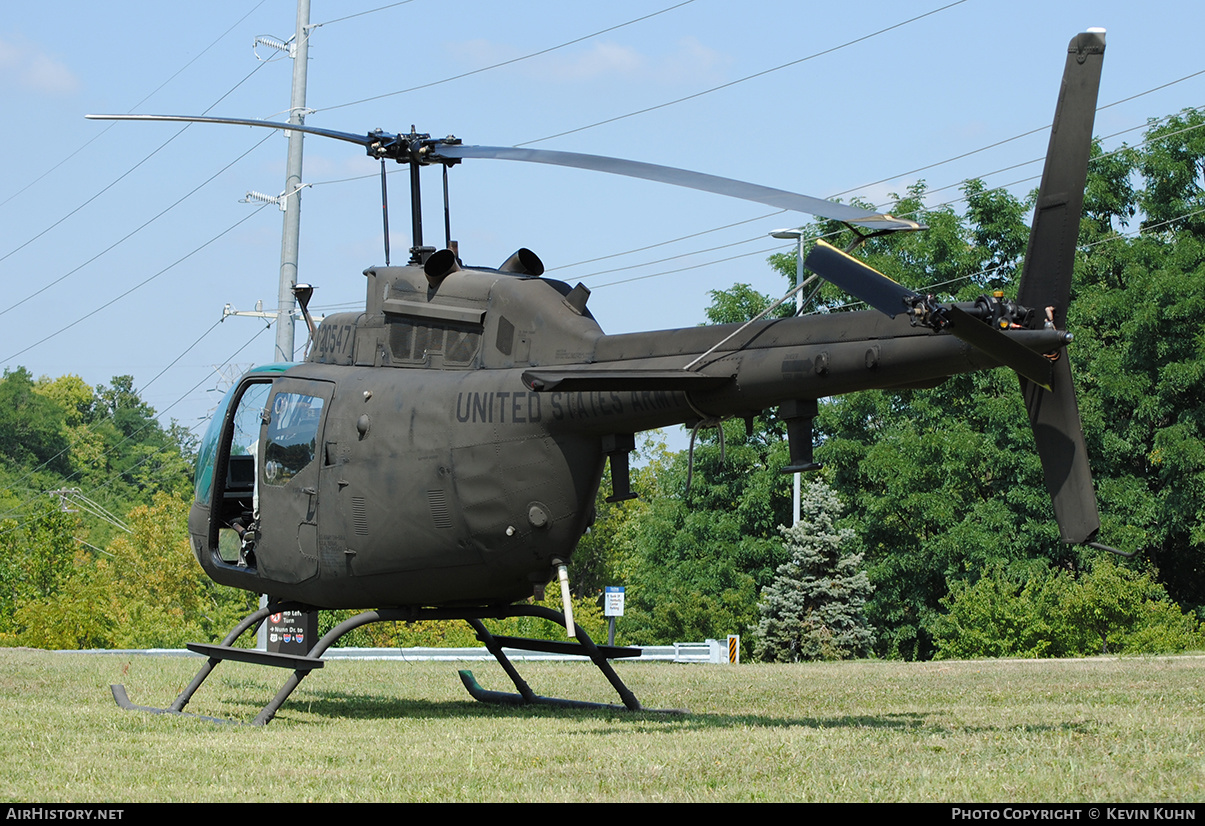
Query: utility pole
x=292, y=190
x=291, y=201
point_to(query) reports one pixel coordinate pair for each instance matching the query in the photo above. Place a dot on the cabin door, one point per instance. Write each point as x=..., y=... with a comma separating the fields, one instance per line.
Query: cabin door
x=287, y=464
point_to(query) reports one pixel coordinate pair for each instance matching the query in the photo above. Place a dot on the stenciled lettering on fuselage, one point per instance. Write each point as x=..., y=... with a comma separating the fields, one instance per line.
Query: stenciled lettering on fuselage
x=334, y=340
x=502, y=407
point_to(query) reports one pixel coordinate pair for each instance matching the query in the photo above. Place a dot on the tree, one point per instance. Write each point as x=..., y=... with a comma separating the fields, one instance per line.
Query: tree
x=31, y=425
x=696, y=557
x=814, y=608
x=36, y=559
x=1052, y=613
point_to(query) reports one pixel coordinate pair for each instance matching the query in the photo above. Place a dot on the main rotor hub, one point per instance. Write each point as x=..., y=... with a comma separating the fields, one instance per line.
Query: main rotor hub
x=417, y=148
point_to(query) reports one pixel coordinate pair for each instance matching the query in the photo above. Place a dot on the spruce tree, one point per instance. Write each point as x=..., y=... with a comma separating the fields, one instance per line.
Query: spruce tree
x=814, y=608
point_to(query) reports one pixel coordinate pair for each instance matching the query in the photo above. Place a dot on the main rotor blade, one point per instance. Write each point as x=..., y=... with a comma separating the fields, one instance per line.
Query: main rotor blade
x=1059, y=437
x=859, y=280
x=616, y=166
x=362, y=140
x=692, y=180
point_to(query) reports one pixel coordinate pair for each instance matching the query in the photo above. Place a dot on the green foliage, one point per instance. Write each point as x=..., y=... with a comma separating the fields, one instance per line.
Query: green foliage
x=165, y=598
x=943, y=484
x=695, y=559
x=37, y=559
x=1171, y=166
x=144, y=591
x=603, y=555
x=31, y=425
x=60, y=586
x=1109, y=610
x=813, y=610
x=741, y=303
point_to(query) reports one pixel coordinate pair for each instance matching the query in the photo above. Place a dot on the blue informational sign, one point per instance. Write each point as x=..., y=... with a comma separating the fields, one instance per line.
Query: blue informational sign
x=613, y=601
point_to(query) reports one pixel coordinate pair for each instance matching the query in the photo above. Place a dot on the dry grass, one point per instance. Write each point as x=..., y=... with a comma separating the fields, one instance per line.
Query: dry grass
x=988, y=731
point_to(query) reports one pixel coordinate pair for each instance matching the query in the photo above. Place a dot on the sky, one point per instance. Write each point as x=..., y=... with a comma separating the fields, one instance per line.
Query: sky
x=121, y=242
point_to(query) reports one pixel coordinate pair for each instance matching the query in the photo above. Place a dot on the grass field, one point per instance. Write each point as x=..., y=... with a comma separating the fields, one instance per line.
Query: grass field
x=1102, y=730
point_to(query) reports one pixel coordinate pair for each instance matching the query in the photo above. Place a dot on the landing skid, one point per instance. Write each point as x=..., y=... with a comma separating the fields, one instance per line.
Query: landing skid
x=303, y=665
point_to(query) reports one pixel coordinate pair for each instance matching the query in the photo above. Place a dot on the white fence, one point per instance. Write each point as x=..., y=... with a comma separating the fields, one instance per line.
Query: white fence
x=710, y=651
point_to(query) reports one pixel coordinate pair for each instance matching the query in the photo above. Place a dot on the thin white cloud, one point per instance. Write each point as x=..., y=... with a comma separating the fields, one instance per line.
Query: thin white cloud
x=690, y=61
x=602, y=60
x=27, y=67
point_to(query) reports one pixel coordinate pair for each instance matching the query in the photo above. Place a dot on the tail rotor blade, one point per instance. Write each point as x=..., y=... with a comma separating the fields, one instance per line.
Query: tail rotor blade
x=887, y=296
x=1028, y=364
x=1050, y=257
x=859, y=280
x=1046, y=282
x=1054, y=416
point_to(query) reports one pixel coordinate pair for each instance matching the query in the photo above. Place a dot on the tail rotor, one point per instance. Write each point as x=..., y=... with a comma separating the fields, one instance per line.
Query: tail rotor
x=1045, y=288
x=1046, y=285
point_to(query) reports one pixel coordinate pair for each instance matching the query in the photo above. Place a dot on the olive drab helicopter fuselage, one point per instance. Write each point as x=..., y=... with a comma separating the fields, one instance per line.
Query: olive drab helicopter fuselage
x=409, y=462
x=439, y=454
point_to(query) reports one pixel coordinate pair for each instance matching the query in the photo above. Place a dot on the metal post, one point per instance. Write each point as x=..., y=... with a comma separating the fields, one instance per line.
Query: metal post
x=798, y=235
x=798, y=310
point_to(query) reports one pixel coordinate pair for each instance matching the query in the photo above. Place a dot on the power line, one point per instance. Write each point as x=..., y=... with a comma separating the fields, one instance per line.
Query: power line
x=1147, y=125
x=935, y=207
x=512, y=60
x=746, y=78
x=135, y=231
x=1025, y=134
x=119, y=178
x=845, y=192
x=101, y=133
x=664, y=243
x=139, y=285
x=67, y=449
x=187, y=350
x=361, y=13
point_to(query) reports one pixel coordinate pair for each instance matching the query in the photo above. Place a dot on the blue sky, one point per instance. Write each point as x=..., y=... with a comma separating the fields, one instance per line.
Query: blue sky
x=938, y=87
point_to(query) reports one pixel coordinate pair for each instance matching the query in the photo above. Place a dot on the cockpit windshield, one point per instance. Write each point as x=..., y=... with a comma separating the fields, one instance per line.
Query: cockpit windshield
x=247, y=420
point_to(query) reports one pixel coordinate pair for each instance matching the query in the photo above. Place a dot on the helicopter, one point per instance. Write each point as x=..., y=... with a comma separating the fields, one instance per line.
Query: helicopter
x=437, y=455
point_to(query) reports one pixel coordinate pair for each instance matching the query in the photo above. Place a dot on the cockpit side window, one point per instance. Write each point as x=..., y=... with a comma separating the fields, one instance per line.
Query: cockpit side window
x=292, y=437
